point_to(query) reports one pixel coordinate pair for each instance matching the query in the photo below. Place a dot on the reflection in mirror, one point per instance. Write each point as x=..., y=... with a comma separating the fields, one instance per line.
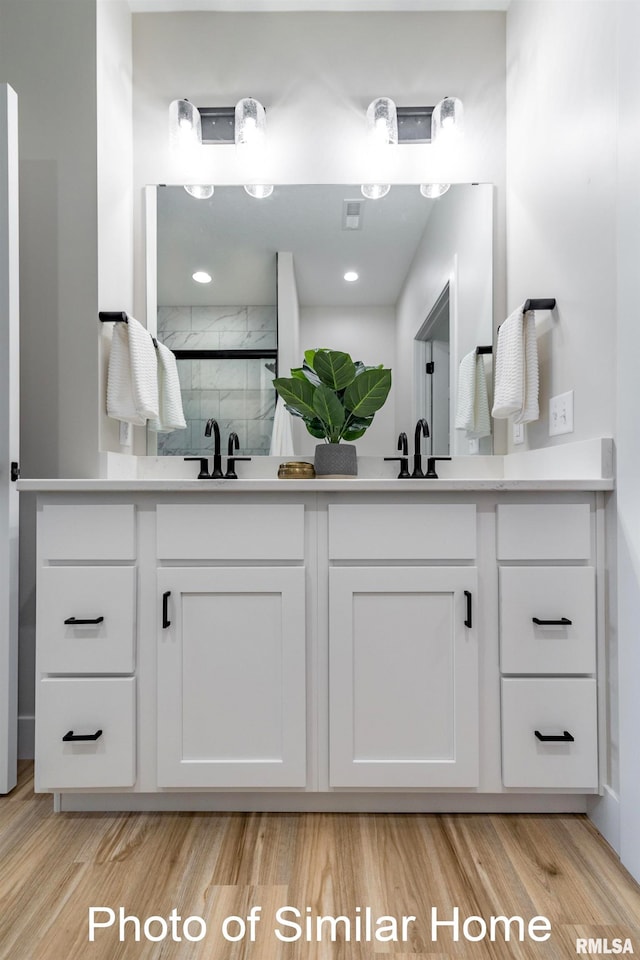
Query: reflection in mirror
x=277, y=267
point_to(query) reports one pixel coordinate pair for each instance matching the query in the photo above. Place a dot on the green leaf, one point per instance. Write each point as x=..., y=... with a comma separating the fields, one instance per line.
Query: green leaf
x=335, y=369
x=297, y=394
x=368, y=392
x=316, y=428
x=309, y=356
x=328, y=408
x=353, y=434
x=298, y=373
x=310, y=374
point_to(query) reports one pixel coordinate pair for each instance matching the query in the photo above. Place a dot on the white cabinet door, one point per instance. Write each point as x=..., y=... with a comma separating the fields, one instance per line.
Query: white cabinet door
x=403, y=677
x=231, y=677
x=9, y=426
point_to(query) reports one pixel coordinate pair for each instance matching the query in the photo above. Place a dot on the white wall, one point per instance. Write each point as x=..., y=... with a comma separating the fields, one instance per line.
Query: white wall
x=561, y=242
x=628, y=447
x=456, y=247
x=115, y=182
x=368, y=334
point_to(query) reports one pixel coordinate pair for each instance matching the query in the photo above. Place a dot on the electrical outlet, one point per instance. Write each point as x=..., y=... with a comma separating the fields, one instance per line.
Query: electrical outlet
x=561, y=414
x=474, y=445
x=518, y=433
x=125, y=434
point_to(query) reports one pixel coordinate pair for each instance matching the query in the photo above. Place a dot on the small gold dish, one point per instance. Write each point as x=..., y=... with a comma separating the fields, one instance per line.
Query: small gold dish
x=296, y=470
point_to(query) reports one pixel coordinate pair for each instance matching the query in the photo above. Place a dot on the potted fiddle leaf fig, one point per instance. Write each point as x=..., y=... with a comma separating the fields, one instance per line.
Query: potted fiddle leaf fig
x=337, y=398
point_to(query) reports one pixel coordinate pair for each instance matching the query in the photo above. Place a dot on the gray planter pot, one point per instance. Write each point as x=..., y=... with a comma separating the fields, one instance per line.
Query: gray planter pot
x=336, y=460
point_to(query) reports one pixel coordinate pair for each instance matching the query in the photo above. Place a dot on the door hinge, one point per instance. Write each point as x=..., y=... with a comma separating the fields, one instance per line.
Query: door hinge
x=15, y=471
x=430, y=367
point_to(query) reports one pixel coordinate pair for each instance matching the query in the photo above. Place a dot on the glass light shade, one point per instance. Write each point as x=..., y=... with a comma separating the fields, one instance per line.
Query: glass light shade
x=201, y=276
x=446, y=118
x=433, y=190
x=259, y=190
x=375, y=191
x=201, y=191
x=251, y=123
x=382, y=121
x=185, y=126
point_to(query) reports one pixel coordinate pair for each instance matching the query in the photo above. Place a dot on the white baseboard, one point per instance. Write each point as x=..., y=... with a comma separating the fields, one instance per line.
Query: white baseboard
x=604, y=813
x=26, y=737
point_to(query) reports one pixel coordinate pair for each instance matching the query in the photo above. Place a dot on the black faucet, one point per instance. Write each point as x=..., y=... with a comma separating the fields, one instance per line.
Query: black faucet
x=421, y=427
x=234, y=443
x=217, y=473
x=403, y=445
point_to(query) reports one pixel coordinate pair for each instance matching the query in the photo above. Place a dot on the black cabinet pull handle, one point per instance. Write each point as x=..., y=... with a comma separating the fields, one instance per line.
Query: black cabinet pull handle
x=562, y=622
x=565, y=737
x=468, y=622
x=165, y=609
x=75, y=622
x=75, y=737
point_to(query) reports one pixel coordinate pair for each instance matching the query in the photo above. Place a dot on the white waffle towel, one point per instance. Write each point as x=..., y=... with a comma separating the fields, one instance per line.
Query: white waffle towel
x=170, y=398
x=516, y=380
x=281, y=438
x=472, y=408
x=132, y=382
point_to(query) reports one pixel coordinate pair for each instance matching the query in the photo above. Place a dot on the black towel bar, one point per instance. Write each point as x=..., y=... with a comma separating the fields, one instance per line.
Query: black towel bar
x=487, y=349
x=113, y=316
x=548, y=304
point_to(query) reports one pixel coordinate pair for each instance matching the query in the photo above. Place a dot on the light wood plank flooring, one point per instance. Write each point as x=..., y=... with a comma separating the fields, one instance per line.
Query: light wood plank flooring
x=54, y=867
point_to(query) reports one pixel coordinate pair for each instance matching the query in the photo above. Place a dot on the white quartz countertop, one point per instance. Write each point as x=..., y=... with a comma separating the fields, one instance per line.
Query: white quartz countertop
x=583, y=465
x=356, y=485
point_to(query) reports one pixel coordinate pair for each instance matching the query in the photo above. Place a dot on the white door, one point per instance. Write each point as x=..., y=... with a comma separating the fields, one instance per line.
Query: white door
x=231, y=677
x=403, y=677
x=9, y=438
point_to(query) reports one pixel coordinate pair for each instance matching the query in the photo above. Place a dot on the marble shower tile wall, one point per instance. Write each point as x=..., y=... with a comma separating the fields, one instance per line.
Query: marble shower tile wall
x=238, y=393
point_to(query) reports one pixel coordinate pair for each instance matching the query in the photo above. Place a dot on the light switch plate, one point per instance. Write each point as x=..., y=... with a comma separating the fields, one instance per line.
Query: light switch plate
x=518, y=433
x=474, y=445
x=561, y=414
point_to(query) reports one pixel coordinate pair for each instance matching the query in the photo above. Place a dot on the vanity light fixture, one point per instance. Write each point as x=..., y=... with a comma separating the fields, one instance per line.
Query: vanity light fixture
x=259, y=190
x=382, y=127
x=446, y=120
x=251, y=135
x=185, y=126
x=351, y=276
x=201, y=276
x=375, y=191
x=201, y=191
x=433, y=190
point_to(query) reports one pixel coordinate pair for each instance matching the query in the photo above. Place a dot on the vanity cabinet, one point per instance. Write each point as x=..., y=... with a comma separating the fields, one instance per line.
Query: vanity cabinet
x=231, y=653
x=231, y=677
x=86, y=646
x=403, y=654
x=403, y=677
x=547, y=646
x=315, y=649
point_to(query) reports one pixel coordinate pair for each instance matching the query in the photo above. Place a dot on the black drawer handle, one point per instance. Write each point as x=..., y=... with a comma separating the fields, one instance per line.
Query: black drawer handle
x=75, y=622
x=165, y=610
x=555, y=738
x=75, y=737
x=562, y=622
x=469, y=622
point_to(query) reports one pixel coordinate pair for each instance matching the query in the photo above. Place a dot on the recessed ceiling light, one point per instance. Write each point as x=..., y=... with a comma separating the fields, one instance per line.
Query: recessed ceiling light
x=201, y=276
x=351, y=276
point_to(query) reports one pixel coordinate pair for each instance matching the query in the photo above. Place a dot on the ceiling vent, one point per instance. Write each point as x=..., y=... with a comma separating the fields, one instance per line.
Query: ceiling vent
x=352, y=214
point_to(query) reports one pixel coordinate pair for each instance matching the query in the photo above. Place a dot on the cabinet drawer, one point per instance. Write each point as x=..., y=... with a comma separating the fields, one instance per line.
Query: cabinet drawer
x=395, y=531
x=88, y=531
x=85, y=706
x=550, y=531
x=106, y=594
x=553, y=707
x=547, y=593
x=227, y=531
